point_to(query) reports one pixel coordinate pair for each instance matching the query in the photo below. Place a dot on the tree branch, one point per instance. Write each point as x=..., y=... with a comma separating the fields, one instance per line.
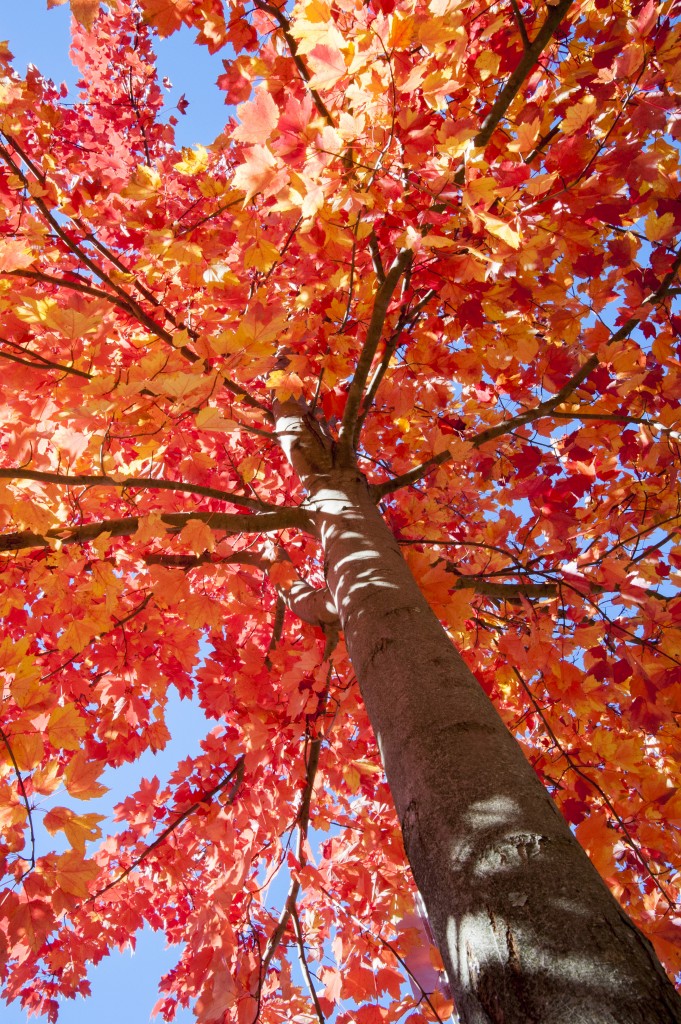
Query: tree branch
x=303, y=821
x=42, y=364
x=137, y=483
x=285, y=27
x=304, y=966
x=24, y=797
x=513, y=84
x=237, y=773
x=74, y=284
x=124, y=300
x=505, y=591
x=521, y=25
x=284, y=518
x=384, y=294
x=578, y=770
x=406, y=321
x=540, y=411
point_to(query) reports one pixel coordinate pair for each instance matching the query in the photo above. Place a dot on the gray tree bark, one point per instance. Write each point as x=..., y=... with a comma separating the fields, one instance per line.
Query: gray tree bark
x=528, y=931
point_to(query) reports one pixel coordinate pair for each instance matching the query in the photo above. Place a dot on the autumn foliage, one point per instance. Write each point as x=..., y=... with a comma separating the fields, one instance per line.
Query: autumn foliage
x=451, y=228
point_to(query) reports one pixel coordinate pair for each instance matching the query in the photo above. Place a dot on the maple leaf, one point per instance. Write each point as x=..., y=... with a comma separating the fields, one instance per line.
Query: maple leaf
x=400, y=312
x=259, y=172
x=66, y=728
x=327, y=64
x=14, y=255
x=258, y=118
x=78, y=828
x=74, y=874
x=81, y=777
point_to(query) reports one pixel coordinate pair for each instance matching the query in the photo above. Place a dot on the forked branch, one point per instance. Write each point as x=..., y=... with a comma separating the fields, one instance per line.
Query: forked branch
x=513, y=84
x=384, y=294
x=303, y=821
x=540, y=411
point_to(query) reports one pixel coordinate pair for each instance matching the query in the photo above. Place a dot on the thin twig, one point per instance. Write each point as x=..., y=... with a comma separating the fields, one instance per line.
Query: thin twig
x=387, y=945
x=119, y=623
x=277, y=626
x=303, y=821
x=540, y=411
x=406, y=321
x=42, y=364
x=237, y=773
x=24, y=796
x=283, y=22
x=578, y=770
x=304, y=966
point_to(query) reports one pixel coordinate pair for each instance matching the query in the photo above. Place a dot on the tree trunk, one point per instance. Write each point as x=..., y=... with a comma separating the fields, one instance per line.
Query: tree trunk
x=528, y=931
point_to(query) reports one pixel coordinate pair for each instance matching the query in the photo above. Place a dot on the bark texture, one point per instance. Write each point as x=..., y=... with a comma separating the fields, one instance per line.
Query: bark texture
x=528, y=931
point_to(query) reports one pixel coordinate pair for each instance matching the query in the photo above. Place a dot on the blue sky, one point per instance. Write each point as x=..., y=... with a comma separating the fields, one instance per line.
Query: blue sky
x=124, y=986
x=41, y=37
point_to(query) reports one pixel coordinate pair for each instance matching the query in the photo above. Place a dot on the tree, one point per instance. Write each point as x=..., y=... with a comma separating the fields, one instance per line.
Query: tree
x=410, y=317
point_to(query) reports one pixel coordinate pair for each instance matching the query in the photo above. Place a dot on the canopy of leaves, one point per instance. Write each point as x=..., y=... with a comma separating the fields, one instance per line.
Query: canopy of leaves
x=515, y=389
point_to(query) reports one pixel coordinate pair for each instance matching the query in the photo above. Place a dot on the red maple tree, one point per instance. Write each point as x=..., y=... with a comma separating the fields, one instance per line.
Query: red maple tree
x=410, y=317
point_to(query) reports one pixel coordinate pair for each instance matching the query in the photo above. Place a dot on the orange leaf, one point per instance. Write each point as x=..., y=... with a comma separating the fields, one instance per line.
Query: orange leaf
x=81, y=777
x=66, y=728
x=74, y=873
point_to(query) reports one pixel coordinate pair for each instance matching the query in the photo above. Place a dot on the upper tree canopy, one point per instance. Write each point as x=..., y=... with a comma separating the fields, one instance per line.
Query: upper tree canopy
x=450, y=228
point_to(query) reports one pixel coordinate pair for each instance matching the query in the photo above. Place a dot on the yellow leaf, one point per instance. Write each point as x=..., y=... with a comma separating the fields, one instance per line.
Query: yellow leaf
x=577, y=115
x=401, y=30
x=209, y=418
x=71, y=323
x=259, y=328
x=150, y=527
x=261, y=255
x=193, y=161
x=197, y=536
x=487, y=64
x=73, y=874
x=351, y=777
x=658, y=228
x=145, y=184
x=81, y=777
x=66, y=728
x=79, y=829
x=84, y=11
x=500, y=228
x=45, y=780
x=526, y=137
x=178, y=385
x=285, y=384
x=77, y=635
x=28, y=749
